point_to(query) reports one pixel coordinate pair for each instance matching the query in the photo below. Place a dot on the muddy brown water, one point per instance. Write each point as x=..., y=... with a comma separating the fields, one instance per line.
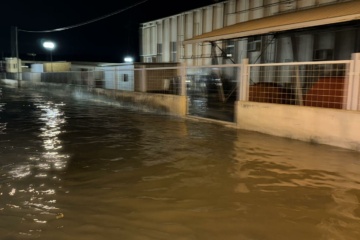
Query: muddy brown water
x=82, y=168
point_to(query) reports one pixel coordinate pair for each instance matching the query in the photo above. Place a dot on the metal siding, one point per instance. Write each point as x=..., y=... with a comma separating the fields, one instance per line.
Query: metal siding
x=230, y=18
x=317, y=16
x=166, y=40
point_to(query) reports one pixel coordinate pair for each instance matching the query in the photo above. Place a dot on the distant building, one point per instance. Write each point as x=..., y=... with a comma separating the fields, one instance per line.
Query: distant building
x=264, y=31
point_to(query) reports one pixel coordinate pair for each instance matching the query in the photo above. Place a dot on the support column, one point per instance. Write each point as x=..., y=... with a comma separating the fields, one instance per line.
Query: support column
x=244, y=81
x=182, y=90
x=142, y=85
x=353, y=84
x=18, y=64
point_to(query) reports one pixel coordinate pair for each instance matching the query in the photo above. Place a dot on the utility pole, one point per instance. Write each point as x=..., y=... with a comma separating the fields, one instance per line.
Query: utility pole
x=17, y=57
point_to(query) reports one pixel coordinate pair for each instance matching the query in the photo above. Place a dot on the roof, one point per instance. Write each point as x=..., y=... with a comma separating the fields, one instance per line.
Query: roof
x=311, y=17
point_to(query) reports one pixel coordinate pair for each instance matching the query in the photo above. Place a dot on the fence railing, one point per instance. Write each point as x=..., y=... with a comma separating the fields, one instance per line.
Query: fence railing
x=153, y=80
x=330, y=84
x=315, y=84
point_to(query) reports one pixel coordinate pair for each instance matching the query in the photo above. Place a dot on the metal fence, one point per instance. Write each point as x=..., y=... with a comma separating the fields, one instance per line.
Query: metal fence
x=331, y=84
x=328, y=84
x=165, y=80
x=315, y=84
x=212, y=91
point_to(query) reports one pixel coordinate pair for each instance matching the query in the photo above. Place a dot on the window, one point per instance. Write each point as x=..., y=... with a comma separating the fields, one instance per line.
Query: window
x=230, y=49
x=126, y=77
x=254, y=44
x=149, y=59
x=159, y=52
x=173, y=51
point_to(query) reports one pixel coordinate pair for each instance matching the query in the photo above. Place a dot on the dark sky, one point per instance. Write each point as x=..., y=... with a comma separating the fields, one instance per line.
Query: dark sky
x=106, y=40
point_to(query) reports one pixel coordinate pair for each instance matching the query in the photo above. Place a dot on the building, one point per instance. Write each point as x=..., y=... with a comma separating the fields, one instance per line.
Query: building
x=287, y=68
x=263, y=31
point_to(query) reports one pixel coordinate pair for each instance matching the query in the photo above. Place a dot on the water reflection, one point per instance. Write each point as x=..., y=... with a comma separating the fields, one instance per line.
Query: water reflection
x=143, y=176
x=29, y=172
x=2, y=124
x=53, y=118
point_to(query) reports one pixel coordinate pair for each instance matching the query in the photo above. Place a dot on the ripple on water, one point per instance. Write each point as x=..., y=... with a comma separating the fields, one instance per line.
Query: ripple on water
x=81, y=169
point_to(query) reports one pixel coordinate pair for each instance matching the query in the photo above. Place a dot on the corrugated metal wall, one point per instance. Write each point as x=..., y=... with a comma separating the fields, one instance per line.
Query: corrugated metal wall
x=162, y=39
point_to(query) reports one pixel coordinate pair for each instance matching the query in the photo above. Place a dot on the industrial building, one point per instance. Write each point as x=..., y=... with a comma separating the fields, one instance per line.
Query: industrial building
x=263, y=31
x=288, y=68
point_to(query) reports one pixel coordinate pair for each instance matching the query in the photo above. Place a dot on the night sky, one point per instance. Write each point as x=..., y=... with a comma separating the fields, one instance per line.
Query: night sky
x=106, y=40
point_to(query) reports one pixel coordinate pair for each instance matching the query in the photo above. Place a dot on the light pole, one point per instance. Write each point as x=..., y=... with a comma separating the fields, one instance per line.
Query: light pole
x=50, y=46
x=16, y=31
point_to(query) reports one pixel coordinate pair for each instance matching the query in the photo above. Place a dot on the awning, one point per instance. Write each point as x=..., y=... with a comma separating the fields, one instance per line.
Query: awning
x=329, y=14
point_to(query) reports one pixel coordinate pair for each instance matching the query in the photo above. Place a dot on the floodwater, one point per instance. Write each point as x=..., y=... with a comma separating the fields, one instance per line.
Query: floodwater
x=76, y=168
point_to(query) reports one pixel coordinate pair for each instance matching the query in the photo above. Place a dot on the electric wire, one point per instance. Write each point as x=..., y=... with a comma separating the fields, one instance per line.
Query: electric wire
x=84, y=23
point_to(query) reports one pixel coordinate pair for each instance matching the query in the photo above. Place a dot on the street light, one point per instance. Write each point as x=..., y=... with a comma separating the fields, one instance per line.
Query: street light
x=128, y=59
x=50, y=46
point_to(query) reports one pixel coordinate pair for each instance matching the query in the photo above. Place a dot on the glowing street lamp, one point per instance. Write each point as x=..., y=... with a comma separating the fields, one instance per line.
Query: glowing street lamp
x=128, y=59
x=50, y=46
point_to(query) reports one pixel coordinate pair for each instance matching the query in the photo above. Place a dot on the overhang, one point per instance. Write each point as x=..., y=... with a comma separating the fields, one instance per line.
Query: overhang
x=317, y=16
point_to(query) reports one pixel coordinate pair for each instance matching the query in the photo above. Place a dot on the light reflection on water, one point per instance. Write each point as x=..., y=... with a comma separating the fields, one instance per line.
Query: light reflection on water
x=28, y=167
x=74, y=169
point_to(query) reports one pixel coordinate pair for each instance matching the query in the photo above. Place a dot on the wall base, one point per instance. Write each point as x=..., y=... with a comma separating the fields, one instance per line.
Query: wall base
x=333, y=127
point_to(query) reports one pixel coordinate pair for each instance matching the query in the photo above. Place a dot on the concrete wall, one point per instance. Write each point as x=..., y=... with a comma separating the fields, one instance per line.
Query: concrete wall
x=32, y=76
x=57, y=66
x=318, y=125
x=159, y=103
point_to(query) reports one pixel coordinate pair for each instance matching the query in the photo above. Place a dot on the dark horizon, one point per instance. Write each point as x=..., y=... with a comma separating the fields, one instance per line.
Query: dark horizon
x=107, y=40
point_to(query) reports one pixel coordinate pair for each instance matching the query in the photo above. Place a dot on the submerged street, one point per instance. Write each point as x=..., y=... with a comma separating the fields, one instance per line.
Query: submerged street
x=87, y=168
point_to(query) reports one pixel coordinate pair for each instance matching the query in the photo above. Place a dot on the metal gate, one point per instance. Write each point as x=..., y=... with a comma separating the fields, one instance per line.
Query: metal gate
x=212, y=93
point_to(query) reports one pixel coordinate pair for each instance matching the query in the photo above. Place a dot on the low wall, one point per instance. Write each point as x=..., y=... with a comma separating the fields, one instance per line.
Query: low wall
x=333, y=127
x=160, y=103
x=167, y=103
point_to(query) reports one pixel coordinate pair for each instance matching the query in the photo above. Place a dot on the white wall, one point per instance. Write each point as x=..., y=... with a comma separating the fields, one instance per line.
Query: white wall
x=37, y=67
x=318, y=125
x=114, y=77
